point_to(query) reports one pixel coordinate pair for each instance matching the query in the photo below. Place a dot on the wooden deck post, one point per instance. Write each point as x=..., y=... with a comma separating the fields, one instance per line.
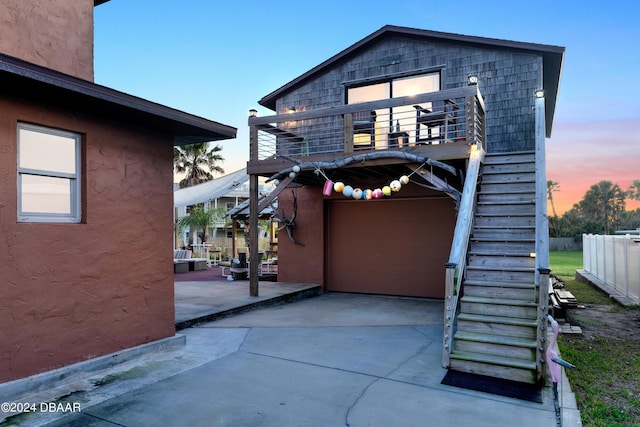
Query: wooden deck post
x=348, y=133
x=254, y=255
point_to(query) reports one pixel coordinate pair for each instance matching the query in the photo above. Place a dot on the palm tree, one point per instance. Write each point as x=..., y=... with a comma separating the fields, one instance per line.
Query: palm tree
x=198, y=162
x=552, y=187
x=604, y=203
x=633, y=192
x=200, y=219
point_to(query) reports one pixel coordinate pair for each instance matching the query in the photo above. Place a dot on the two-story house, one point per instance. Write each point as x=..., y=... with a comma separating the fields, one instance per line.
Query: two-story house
x=412, y=163
x=81, y=166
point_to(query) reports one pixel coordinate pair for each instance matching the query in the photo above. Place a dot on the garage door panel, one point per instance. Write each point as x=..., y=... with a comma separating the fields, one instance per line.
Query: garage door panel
x=392, y=247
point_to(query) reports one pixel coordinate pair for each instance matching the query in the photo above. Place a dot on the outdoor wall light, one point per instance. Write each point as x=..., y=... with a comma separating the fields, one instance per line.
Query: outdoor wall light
x=540, y=93
x=253, y=112
x=473, y=79
x=292, y=109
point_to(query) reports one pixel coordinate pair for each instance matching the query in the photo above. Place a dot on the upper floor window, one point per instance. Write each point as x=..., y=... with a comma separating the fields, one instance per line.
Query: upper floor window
x=48, y=175
x=376, y=128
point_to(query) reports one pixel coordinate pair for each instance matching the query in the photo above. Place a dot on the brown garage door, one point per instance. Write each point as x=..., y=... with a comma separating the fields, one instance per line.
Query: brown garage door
x=391, y=247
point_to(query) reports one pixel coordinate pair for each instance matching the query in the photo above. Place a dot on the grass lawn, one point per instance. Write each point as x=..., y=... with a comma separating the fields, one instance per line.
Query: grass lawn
x=606, y=380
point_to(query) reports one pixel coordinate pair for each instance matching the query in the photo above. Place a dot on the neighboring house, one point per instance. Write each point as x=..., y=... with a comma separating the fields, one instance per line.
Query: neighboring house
x=227, y=193
x=82, y=166
x=457, y=125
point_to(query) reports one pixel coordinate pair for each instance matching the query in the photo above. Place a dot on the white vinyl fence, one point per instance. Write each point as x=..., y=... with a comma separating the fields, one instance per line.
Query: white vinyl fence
x=615, y=261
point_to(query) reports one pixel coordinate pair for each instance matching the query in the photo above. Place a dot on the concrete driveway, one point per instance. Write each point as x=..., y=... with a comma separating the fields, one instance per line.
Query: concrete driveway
x=333, y=360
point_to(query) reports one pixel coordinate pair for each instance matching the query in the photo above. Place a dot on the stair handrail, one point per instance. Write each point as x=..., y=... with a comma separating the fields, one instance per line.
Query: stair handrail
x=455, y=267
x=542, y=236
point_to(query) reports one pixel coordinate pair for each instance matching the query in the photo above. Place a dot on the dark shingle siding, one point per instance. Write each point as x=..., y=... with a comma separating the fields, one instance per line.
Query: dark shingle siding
x=508, y=81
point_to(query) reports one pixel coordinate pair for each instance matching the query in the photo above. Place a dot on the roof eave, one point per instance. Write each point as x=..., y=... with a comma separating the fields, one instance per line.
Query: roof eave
x=552, y=61
x=29, y=81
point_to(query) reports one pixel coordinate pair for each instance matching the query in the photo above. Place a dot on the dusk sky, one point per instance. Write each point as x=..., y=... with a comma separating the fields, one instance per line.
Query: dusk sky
x=217, y=59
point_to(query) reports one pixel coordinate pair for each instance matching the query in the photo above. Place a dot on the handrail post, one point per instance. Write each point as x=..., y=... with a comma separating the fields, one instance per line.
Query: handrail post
x=471, y=113
x=542, y=233
x=543, y=308
x=449, y=313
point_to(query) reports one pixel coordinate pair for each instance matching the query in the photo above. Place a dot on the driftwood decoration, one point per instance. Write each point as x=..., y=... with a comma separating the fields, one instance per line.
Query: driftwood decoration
x=336, y=164
x=289, y=223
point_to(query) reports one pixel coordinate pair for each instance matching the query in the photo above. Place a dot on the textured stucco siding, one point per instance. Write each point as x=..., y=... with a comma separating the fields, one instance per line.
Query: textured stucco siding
x=56, y=34
x=70, y=292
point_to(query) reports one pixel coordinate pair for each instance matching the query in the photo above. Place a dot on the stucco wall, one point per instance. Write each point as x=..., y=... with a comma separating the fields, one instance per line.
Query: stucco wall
x=56, y=34
x=302, y=263
x=70, y=292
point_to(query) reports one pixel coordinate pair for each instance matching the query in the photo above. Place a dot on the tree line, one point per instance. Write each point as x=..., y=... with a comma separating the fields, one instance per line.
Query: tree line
x=601, y=211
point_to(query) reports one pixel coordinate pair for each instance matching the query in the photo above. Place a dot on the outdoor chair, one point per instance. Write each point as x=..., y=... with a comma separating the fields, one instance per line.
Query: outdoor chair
x=440, y=117
x=364, y=122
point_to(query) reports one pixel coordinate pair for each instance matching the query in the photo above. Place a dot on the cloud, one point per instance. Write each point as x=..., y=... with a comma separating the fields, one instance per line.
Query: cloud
x=581, y=154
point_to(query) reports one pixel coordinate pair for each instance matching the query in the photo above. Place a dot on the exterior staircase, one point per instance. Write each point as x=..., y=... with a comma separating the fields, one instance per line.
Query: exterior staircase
x=496, y=325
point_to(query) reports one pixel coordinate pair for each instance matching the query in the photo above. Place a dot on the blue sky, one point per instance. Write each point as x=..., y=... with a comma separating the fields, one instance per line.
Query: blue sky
x=217, y=59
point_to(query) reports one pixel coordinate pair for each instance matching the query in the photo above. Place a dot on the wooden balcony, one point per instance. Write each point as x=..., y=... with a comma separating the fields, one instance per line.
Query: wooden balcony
x=439, y=125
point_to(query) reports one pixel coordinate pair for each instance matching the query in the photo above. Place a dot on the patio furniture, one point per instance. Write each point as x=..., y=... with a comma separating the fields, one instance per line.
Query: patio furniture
x=440, y=117
x=194, y=264
x=364, y=122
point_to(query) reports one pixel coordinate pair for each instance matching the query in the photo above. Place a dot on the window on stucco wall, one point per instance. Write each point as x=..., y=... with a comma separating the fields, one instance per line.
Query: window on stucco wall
x=48, y=175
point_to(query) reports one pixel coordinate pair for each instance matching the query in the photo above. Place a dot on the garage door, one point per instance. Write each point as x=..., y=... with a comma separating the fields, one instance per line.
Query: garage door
x=390, y=247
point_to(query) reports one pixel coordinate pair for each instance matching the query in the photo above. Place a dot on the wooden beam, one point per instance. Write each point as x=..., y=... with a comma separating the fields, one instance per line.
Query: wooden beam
x=437, y=182
x=271, y=196
x=360, y=158
x=254, y=256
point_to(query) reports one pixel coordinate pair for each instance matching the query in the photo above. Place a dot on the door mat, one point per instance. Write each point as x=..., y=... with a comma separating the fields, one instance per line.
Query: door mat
x=517, y=390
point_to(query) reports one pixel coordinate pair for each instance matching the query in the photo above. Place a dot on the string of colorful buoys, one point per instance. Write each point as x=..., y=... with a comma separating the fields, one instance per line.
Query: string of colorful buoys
x=367, y=194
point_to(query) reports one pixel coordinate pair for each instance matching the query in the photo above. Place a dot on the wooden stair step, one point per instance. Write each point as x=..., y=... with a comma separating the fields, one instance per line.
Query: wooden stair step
x=495, y=339
x=500, y=228
x=495, y=283
x=513, y=156
x=506, y=203
x=494, y=180
x=494, y=360
x=503, y=254
x=503, y=214
x=531, y=191
x=502, y=169
x=502, y=239
x=498, y=301
x=485, y=318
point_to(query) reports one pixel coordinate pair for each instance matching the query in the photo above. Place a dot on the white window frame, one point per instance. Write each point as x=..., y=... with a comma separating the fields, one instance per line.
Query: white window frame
x=75, y=210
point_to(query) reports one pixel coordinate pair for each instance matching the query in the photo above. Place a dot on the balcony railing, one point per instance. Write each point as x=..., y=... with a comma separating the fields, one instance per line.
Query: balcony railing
x=443, y=117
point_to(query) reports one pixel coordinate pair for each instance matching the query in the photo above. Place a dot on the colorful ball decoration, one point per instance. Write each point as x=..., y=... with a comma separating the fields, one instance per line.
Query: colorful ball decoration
x=328, y=186
x=368, y=194
x=358, y=193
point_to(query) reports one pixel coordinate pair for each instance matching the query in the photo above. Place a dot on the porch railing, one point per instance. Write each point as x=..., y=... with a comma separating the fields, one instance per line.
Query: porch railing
x=455, y=267
x=446, y=116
